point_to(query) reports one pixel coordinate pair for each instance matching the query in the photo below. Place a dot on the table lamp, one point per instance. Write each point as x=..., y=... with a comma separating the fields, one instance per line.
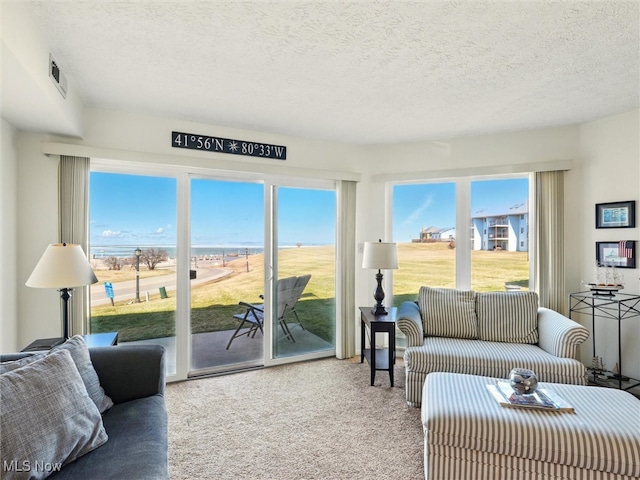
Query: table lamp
x=382, y=256
x=62, y=266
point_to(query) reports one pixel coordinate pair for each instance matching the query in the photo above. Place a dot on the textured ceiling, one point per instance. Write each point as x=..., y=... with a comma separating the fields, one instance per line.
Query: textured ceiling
x=357, y=72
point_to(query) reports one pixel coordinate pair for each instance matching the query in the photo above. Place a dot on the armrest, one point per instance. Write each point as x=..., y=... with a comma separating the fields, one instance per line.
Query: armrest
x=559, y=335
x=127, y=372
x=410, y=323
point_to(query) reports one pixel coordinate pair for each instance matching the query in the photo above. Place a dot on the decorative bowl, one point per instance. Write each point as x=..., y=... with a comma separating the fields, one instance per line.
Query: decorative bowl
x=523, y=381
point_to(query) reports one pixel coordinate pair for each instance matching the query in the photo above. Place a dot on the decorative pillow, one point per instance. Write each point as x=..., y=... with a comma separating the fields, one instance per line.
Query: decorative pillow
x=447, y=312
x=21, y=362
x=80, y=354
x=508, y=316
x=47, y=418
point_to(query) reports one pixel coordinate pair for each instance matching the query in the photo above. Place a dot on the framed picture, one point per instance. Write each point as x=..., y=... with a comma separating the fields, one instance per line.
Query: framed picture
x=620, y=254
x=616, y=215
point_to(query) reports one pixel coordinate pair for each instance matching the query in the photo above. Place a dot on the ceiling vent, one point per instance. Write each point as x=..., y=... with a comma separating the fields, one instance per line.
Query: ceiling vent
x=57, y=77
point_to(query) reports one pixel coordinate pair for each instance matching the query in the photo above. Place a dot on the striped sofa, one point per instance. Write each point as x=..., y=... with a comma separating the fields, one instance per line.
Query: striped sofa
x=487, y=334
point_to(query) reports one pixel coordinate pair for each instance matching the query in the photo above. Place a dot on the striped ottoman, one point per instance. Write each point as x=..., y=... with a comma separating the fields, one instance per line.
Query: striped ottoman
x=467, y=435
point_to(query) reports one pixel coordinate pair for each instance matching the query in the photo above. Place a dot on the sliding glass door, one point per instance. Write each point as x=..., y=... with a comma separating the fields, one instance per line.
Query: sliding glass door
x=225, y=272
x=303, y=286
x=133, y=253
x=226, y=275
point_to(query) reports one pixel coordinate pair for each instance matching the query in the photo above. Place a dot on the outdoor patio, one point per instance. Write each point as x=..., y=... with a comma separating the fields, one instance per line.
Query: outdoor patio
x=210, y=354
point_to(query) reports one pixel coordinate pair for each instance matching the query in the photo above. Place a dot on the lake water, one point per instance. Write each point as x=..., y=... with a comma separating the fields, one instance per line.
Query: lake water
x=126, y=251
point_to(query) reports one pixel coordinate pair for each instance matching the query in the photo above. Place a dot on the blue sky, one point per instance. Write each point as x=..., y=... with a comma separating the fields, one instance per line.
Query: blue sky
x=132, y=209
x=434, y=204
x=141, y=210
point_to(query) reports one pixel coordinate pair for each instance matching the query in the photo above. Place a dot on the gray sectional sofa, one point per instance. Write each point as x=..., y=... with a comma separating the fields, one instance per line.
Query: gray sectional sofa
x=78, y=413
x=487, y=334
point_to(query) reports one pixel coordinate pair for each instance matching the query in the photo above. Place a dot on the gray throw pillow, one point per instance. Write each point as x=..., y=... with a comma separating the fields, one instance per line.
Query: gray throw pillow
x=510, y=317
x=80, y=354
x=47, y=419
x=447, y=312
x=12, y=365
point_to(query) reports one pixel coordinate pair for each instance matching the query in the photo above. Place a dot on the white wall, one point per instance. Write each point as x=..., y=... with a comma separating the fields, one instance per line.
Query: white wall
x=29, y=97
x=37, y=225
x=470, y=153
x=126, y=136
x=8, y=237
x=609, y=171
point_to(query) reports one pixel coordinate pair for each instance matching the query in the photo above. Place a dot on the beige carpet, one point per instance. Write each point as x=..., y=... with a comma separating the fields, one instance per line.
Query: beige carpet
x=314, y=420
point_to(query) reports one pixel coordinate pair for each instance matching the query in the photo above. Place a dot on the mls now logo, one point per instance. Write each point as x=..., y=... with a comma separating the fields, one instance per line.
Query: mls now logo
x=28, y=466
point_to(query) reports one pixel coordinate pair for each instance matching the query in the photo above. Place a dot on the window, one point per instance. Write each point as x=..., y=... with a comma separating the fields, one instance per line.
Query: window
x=421, y=213
x=497, y=211
x=503, y=260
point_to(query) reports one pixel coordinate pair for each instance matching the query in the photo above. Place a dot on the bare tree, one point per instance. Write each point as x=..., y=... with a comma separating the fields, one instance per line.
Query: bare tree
x=151, y=257
x=114, y=263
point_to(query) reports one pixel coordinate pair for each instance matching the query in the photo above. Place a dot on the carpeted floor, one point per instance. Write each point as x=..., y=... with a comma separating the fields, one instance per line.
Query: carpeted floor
x=314, y=420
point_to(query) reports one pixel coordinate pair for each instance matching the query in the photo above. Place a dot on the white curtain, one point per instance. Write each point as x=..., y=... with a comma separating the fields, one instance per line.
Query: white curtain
x=346, y=259
x=549, y=210
x=73, y=226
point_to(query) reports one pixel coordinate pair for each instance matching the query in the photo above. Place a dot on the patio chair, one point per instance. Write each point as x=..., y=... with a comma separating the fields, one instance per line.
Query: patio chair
x=298, y=289
x=253, y=317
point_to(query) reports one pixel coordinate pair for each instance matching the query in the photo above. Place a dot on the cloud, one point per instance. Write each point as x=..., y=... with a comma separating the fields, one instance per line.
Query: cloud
x=110, y=234
x=159, y=231
x=416, y=213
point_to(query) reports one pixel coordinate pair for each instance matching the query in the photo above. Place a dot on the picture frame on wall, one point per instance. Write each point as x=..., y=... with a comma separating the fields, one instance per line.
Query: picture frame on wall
x=616, y=214
x=620, y=254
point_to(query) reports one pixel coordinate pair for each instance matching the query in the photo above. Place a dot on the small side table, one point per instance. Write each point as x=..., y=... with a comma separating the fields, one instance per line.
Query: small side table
x=616, y=307
x=93, y=340
x=379, y=358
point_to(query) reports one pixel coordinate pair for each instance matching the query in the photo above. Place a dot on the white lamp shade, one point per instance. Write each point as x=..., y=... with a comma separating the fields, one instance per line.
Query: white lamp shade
x=63, y=265
x=379, y=255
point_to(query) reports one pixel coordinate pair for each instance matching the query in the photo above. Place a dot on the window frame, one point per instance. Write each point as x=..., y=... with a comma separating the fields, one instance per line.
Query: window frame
x=463, y=219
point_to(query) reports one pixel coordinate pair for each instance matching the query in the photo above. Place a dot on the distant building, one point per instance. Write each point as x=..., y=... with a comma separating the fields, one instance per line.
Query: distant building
x=435, y=234
x=495, y=231
x=502, y=231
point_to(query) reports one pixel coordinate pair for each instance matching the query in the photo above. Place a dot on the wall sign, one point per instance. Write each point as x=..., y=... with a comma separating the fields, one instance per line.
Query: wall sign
x=192, y=141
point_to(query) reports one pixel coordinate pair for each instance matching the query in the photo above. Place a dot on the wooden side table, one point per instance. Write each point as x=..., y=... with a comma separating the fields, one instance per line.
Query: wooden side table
x=379, y=358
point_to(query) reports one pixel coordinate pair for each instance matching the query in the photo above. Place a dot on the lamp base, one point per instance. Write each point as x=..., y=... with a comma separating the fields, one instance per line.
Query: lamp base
x=379, y=310
x=378, y=296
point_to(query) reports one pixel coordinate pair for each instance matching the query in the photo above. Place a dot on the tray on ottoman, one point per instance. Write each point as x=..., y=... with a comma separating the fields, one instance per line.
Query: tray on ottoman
x=467, y=434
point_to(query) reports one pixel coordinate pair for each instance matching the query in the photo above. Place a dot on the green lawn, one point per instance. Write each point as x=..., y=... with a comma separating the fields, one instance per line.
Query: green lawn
x=213, y=304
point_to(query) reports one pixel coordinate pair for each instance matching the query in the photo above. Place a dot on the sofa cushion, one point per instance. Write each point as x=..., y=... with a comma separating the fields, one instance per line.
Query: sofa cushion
x=510, y=317
x=492, y=359
x=80, y=355
x=137, y=446
x=47, y=418
x=448, y=312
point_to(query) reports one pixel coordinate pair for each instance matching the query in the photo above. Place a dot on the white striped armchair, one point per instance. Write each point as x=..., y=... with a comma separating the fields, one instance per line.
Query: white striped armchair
x=487, y=334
